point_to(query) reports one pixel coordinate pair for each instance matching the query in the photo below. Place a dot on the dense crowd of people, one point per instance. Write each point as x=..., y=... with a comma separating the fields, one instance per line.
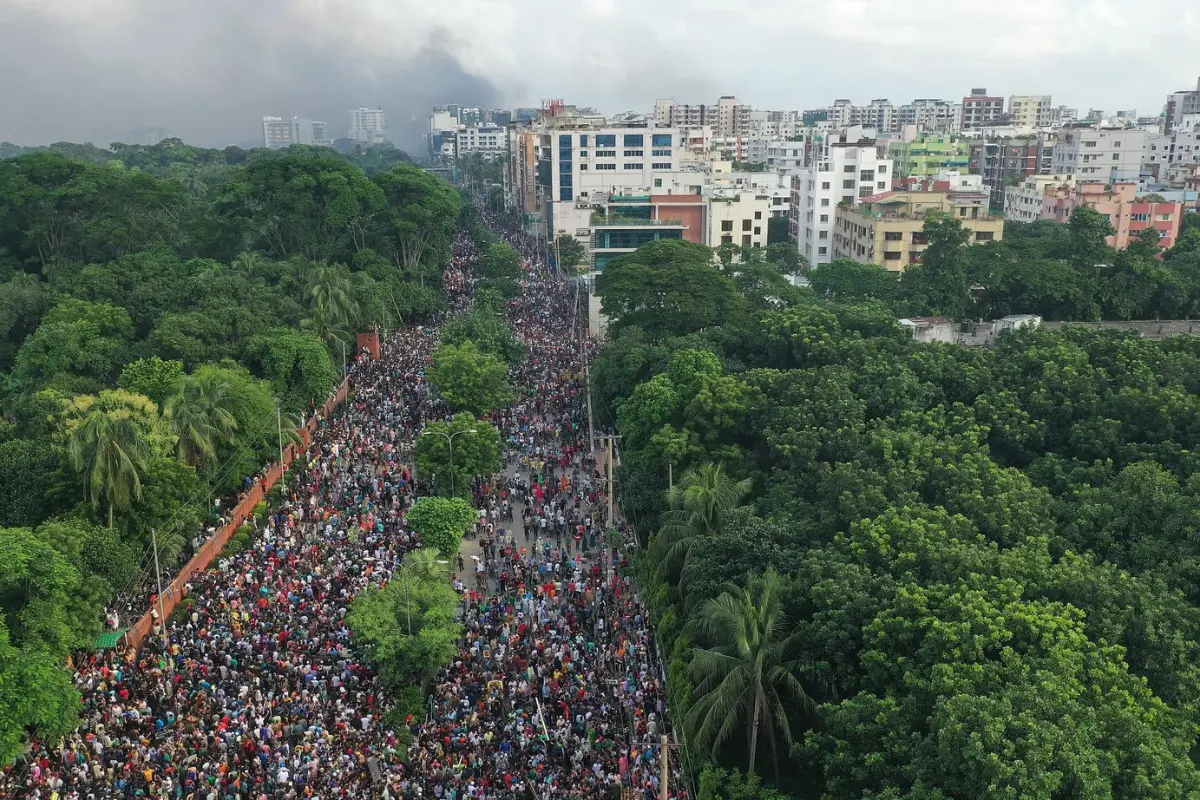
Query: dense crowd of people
x=255, y=692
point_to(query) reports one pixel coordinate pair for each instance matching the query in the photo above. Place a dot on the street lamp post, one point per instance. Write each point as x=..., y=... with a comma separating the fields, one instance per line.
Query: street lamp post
x=449, y=437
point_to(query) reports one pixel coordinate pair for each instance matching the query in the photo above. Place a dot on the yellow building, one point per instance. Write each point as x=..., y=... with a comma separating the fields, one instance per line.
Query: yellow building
x=887, y=229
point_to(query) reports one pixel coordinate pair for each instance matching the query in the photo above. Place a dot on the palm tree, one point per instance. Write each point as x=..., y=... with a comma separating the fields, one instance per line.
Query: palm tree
x=745, y=677
x=426, y=564
x=249, y=263
x=199, y=414
x=332, y=302
x=108, y=450
x=699, y=503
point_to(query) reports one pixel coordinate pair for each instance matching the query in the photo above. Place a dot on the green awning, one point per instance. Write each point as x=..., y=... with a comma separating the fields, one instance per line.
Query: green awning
x=109, y=639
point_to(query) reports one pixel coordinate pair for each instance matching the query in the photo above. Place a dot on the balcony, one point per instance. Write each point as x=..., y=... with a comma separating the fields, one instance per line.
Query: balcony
x=601, y=220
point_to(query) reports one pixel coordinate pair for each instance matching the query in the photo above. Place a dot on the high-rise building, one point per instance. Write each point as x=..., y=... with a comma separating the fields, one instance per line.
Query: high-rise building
x=311, y=132
x=1030, y=110
x=847, y=168
x=980, y=108
x=1099, y=155
x=368, y=126
x=278, y=133
x=727, y=118
x=1180, y=104
x=1003, y=160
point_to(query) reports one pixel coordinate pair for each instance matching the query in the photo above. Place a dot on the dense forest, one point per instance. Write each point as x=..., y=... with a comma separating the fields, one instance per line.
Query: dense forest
x=886, y=569
x=167, y=314
x=1059, y=272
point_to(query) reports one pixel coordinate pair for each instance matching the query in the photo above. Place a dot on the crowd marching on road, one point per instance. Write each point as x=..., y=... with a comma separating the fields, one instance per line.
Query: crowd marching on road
x=255, y=692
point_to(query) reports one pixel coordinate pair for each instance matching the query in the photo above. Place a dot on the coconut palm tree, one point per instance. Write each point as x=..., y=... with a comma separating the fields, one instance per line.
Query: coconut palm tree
x=698, y=503
x=199, y=414
x=745, y=678
x=109, y=451
x=249, y=263
x=332, y=303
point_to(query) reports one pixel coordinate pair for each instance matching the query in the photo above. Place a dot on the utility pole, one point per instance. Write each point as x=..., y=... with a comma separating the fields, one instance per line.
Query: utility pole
x=162, y=614
x=670, y=475
x=343, y=358
x=609, y=464
x=279, y=422
x=664, y=783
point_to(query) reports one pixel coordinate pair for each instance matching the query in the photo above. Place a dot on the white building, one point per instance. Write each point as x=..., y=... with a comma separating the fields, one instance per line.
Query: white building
x=312, y=132
x=788, y=157
x=1030, y=110
x=739, y=218
x=928, y=114
x=880, y=115
x=368, y=126
x=278, y=133
x=1099, y=155
x=845, y=169
x=1023, y=202
x=490, y=141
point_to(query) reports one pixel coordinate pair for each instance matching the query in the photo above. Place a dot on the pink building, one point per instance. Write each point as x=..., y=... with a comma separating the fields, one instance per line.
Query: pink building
x=1120, y=206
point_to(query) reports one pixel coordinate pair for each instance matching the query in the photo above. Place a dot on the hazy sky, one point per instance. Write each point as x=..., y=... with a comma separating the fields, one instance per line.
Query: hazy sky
x=209, y=69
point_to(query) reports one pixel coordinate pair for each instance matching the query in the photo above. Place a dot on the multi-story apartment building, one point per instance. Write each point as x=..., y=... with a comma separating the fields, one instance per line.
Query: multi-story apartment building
x=1023, y=201
x=846, y=168
x=1061, y=115
x=1099, y=155
x=887, y=229
x=368, y=126
x=278, y=133
x=1030, y=110
x=739, y=218
x=1004, y=160
x=879, y=115
x=930, y=153
x=980, y=108
x=489, y=141
x=1120, y=206
x=928, y=114
x=727, y=117
x=1179, y=105
x=312, y=132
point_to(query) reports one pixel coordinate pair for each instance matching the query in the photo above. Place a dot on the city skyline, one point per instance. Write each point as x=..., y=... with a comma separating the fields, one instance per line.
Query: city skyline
x=407, y=57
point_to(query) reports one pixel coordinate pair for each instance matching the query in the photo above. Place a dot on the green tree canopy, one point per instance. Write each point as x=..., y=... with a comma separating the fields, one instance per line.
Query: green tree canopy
x=469, y=380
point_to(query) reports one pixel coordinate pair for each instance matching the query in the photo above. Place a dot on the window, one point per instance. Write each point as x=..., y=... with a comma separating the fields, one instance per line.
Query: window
x=565, y=193
x=1116, y=156
x=726, y=224
x=891, y=255
x=633, y=166
x=824, y=184
x=583, y=167
x=745, y=224
x=606, y=154
x=882, y=185
x=825, y=202
x=822, y=234
x=822, y=250
x=746, y=239
x=758, y=215
x=661, y=153
x=984, y=236
x=848, y=184
x=727, y=239
x=606, y=140
x=564, y=140
x=1089, y=144
x=660, y=140
x=583, y=137
x=919, y=237
x=1165, y=217
x=824, y=218
x=658, y=183
x=632, y=140
x=661, y=165
x=882, y=169
x=892, y=236
x=849, y=168
x=1116, y=144
x=632, y=153
x=583, y=153
x=606, y=166
x=757, y=231
x=848, y=199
